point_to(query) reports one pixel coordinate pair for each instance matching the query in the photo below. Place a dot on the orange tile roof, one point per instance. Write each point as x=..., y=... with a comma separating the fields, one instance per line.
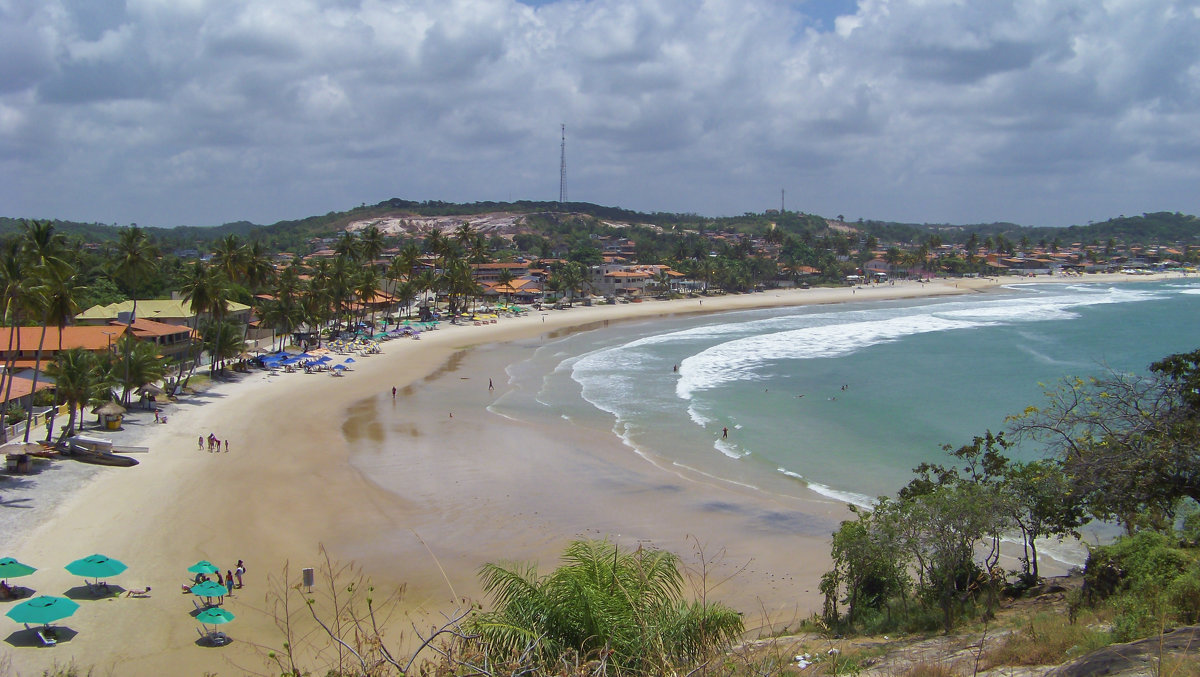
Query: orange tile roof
x=23, y=386
x=88, y=337
x=143, y=328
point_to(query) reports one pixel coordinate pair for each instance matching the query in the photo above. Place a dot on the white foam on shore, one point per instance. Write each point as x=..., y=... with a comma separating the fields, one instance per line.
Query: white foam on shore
x=860, y=500
x=741, y=359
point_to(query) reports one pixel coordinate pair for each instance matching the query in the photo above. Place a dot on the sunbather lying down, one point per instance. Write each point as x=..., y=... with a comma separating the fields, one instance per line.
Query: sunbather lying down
x=138, y=593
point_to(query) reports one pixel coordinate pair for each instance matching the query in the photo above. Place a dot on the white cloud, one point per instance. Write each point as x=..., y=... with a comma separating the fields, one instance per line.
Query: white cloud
x=924, y=110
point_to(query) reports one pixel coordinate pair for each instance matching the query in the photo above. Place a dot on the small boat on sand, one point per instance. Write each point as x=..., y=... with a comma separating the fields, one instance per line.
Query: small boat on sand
x=101, y=458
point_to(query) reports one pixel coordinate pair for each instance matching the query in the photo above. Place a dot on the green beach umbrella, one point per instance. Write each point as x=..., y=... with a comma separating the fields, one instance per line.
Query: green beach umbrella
x=11, y=568
x=96, y=566
x=43, y=610
x=215, y=616
x=204, y=567
x=209, y=589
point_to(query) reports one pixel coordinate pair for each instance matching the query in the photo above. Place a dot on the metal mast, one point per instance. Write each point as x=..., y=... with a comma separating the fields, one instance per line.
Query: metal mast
x=562, y=170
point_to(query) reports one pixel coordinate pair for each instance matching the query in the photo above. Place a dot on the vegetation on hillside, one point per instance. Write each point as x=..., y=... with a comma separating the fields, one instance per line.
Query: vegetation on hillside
x=1120, y=448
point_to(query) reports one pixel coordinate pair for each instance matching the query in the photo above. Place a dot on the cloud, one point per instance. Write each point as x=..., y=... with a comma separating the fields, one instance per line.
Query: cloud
x=201, y=111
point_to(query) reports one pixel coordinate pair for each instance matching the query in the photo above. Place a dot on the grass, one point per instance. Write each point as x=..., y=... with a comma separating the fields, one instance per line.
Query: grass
x=1045, y=639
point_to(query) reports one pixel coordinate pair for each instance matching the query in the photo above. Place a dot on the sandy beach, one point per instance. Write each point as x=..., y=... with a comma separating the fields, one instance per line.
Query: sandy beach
x=299, y=475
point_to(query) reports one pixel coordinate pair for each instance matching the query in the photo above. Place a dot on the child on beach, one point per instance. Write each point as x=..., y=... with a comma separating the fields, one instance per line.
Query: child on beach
x=200, y=443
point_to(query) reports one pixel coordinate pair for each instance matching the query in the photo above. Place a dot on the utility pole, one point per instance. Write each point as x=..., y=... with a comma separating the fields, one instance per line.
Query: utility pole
x=562, y=170
x=782, y=193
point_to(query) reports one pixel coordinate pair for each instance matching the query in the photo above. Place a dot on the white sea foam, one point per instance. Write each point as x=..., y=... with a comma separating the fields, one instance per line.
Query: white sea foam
x=741, y=359
x=730, y=450
x=1190, y=290
x=861, y=500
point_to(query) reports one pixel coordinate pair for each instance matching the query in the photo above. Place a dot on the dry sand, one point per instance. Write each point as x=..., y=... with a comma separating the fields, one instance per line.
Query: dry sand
x=291, y=482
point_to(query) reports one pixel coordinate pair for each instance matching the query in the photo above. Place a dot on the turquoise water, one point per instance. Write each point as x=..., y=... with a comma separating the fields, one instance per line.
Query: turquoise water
x=844, y=399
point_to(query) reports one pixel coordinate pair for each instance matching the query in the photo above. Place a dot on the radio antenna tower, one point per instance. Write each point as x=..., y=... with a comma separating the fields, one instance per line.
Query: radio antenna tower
x=562, y=170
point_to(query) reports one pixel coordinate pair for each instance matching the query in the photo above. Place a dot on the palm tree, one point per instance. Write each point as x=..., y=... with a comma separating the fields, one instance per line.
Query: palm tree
x=136, y=260
x=230, y=257
x=257, y=266
x=137, y=364
x=603, y=603
x=505, y=279
x=347, y=246
x=223, y=340
x=371, y=244
x=55, y=297
x=79, y=379
x=206, y=290
x=14, y=284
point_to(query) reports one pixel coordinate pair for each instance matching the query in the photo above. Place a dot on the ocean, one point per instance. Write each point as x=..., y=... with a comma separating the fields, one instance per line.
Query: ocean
x=844, y=399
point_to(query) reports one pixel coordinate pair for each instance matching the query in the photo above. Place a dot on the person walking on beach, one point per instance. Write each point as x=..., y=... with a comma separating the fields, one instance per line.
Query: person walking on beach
x=229, y=582
x=724, y=433
x=393, y=392
x=200, y=443
x=490, y=386
x=241, y=569
x=227, y=445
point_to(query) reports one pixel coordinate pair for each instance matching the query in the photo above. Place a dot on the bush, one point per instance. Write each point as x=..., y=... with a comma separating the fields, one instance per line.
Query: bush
x=1147, y=580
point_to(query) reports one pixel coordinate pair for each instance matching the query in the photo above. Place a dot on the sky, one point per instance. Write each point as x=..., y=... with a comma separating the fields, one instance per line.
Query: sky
x=201, y=112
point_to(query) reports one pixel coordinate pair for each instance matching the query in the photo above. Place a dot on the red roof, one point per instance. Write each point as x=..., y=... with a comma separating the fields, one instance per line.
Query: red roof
x=22, y=386
x=88, y=337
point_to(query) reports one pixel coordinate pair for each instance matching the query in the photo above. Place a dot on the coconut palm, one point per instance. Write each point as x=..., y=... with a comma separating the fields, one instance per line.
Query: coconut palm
x=80, y=377
x=229, y=257
x=136, y=259
x=601, y=602
x=223, y=340
x=14, y=293
x=257, y=266
x=53, y=292
x=136, y=364
x=206, y=290
x=505, y=279
x=371, y=244
x=347, y=246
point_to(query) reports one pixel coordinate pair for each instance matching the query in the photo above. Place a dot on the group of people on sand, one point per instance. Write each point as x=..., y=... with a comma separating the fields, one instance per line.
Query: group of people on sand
x=214, y=443
x=226, y=580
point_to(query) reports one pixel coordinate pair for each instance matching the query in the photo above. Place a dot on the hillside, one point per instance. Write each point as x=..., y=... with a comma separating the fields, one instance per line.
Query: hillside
x=407, y=217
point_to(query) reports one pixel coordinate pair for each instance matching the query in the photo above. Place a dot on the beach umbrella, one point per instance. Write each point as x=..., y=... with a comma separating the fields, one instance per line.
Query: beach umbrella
x=209, y=589
x=215, y=616
x=43, y=610
x=348, y=360
x=96, y=566
x=11, y=568
x=204, y=567
x=324, y=358
x=339, y=367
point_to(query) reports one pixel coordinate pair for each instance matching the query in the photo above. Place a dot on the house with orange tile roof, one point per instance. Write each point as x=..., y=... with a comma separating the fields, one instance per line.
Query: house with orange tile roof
x=21, y=343
x=21, y=393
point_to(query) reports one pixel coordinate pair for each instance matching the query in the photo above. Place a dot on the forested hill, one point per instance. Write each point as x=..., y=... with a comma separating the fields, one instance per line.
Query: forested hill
x=1150, y=228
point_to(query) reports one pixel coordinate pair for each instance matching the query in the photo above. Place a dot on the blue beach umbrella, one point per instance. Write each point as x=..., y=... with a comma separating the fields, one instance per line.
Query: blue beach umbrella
x=96, y=566
x=339, y=367
x=43, y=610
x=204, y=567
x=215, y=616
x=209, y=589
x=11, y=568
x=348, y=360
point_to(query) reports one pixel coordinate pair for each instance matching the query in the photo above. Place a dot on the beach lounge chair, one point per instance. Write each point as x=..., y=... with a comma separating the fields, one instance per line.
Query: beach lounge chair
x=47, y=636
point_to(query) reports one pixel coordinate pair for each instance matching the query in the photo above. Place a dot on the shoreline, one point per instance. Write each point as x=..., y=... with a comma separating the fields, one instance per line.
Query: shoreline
x=290, y=482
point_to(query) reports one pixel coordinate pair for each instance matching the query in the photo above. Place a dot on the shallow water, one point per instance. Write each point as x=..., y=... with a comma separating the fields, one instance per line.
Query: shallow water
x=848, y=398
